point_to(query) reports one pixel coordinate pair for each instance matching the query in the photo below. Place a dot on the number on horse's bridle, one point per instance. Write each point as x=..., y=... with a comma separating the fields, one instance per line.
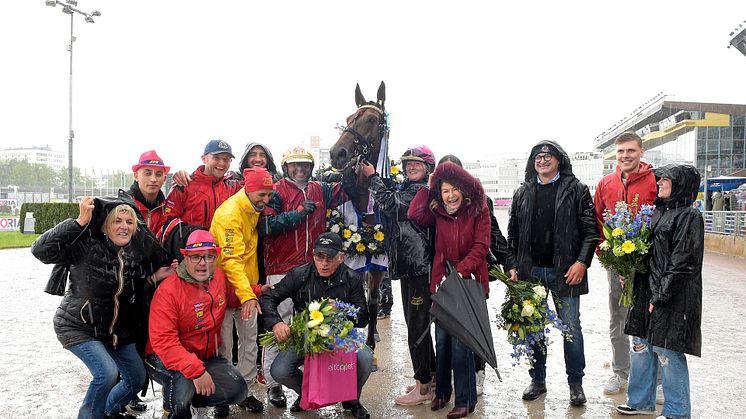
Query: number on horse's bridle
x=363, y=145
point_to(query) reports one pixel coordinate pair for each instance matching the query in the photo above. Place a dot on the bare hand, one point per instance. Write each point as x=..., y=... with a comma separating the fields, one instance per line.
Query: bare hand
x=266, y=287
x=85, y=211
x=650, y=309
x=621, y=280
x=163, y=272
x=513, y=274
x=182, y=178
x=248, y=308
x=204, y=385
x=367, y=168
x=575, y=274
x=281, y=331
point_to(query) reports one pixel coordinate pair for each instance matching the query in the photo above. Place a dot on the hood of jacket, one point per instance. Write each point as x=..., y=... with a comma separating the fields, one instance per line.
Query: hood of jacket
x=684, y=184
x=137, y=194
x=469, y=186
x=271, y=167
x=565, y=167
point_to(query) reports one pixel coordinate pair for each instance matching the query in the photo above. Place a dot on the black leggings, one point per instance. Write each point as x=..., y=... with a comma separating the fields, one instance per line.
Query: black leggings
x=415, y=295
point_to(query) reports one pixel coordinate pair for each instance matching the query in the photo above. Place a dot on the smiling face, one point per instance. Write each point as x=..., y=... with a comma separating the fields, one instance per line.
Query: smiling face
x=150, y=179
x=546, y=165
x=451, y=196
x=664, y=188
x=299, y=172
x=120, y=228
x=628, y=155
x=217, y=165
x=260, y=198
x=201, y=264
x=415, y=170
x=257, y=157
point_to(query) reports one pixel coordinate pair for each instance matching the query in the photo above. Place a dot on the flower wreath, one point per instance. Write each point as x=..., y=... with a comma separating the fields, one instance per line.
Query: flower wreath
x=357, y=241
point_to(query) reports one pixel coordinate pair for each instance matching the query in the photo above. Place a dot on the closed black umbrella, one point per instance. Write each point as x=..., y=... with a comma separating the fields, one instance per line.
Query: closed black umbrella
x=461, y=310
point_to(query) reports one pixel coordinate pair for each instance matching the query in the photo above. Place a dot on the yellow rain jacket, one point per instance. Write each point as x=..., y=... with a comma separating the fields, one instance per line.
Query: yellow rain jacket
x=234, y=229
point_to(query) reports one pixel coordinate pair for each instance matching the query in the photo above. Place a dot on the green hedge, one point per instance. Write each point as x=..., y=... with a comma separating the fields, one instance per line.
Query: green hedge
x=48, y=214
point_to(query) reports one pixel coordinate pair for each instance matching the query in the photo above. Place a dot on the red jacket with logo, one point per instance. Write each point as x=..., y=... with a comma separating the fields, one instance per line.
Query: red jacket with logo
x=611, y=190
x=196, y=203
x=185, y=320
x=288, y=236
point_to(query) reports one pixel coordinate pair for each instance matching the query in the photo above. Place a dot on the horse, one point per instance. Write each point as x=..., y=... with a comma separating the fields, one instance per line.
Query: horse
x=365, y=137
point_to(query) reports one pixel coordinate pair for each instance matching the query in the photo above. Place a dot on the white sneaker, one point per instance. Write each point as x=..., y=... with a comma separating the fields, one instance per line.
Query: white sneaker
x=480, y=382
x=198, y=412
x=615, y=384
x=659, y=394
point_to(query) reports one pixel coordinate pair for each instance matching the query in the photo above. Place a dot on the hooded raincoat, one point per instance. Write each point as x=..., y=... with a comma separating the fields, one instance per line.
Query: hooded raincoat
x=674, y=281
x=575, y=230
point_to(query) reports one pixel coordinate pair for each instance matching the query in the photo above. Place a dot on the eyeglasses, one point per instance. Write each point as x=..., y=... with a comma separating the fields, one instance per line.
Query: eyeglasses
x=200, y=258
x=540, y=157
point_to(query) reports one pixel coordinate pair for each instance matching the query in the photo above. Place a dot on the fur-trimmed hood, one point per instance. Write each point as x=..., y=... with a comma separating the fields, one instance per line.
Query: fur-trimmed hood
x=470, y=187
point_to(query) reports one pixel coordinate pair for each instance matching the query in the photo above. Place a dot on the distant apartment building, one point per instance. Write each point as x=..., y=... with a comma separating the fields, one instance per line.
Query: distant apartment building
x=588, y=167
x=36, y=155
x=320, y=154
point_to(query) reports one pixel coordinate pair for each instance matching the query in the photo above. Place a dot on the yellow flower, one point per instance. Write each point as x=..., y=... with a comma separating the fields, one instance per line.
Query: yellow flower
x=628, y=247
x=617, y=232
x=328, y=213
x=515, y=327
x=347, y=233
x=316, y=319
x=394, y=170
x=378, y=236
x=360, y=247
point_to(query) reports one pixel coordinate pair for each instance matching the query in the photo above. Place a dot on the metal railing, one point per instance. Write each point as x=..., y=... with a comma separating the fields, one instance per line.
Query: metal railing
x=725, y=222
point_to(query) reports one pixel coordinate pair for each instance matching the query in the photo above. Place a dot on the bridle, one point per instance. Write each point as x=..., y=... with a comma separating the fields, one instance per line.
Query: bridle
x=364, y=145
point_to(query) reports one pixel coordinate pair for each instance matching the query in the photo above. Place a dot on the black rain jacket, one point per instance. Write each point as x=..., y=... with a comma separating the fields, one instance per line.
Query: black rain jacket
x=674, y=280
x=303, y=285
x=575, y=228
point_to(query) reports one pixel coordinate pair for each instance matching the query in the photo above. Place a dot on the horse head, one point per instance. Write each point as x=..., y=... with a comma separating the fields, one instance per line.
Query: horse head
x=361, y=138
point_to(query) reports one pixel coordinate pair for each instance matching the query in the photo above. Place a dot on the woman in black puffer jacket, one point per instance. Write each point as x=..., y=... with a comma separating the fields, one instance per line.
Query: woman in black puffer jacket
x=102, y=312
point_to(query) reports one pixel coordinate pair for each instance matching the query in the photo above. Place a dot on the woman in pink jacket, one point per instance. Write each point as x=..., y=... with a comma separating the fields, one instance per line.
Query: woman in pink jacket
x=455, y=204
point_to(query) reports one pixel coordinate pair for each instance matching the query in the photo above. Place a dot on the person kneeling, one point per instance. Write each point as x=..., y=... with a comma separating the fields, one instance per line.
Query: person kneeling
x=326, y=277
x=185, y=318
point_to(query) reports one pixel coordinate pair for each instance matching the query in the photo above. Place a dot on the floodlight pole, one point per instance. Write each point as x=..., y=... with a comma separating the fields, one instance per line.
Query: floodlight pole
x=68, y=8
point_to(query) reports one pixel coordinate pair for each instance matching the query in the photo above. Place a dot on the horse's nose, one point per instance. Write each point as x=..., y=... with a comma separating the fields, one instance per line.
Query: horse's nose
x=338, y=156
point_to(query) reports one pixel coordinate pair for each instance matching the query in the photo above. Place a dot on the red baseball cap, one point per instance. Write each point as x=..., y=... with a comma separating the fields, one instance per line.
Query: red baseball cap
x=150, y=158
x=199, y=241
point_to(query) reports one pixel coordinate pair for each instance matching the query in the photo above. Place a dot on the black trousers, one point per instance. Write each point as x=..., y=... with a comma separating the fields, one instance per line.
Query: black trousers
x=415, y=295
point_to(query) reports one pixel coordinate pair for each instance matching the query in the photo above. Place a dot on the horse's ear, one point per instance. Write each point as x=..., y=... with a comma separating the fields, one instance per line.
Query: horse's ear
x=381, y=94
x=359, y=98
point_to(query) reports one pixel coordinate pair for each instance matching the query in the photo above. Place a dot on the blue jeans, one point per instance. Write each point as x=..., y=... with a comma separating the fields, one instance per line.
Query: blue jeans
x=643, y=377
x=568, y=310
x=452, y=355
x=105, y=363
x=285, y=369
x=179, y=392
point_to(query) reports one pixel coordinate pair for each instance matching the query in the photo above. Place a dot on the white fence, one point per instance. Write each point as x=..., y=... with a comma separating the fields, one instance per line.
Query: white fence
x=725, y=222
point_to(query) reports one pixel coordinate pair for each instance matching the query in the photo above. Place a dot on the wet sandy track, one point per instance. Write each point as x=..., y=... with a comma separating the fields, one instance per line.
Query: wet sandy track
x=43, y=380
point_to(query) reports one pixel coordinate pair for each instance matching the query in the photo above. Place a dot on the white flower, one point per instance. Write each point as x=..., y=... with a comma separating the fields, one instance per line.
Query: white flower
x=604, y=245
x=372, y=246
x=377, y=227
x=335, y=229
x=355, y=237
x=352, y=227
x=399, y=178
x=323, y=330
x=528, y=310
x=314, y=306
x=346, y=244
x=335, y=213
x=540, y=291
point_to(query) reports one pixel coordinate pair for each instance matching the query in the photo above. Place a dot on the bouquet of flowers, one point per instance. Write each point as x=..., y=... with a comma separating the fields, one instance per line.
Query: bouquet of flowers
x=626, y=242
x=526, y=316
x=363, y=241
x=397, y=175
x=324, y=326
x=323, y=170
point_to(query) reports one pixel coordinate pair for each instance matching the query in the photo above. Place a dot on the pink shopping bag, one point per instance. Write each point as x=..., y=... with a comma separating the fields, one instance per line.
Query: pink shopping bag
x=329, y=378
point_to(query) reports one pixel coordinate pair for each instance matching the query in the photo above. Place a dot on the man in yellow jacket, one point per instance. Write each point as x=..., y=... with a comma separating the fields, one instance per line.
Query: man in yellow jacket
x=234, y=228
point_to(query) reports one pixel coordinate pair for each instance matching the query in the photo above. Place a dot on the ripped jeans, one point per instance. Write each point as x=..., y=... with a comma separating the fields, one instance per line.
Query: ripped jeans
x=643, y=378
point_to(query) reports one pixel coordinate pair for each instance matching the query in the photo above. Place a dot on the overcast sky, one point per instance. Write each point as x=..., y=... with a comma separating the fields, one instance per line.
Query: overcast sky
x=468, y=78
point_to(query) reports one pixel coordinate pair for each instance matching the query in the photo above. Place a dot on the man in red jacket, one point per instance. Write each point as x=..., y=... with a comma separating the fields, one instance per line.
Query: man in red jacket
x=185, y=318
x=150, y=175
x=209, y=186
x=633, y=180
